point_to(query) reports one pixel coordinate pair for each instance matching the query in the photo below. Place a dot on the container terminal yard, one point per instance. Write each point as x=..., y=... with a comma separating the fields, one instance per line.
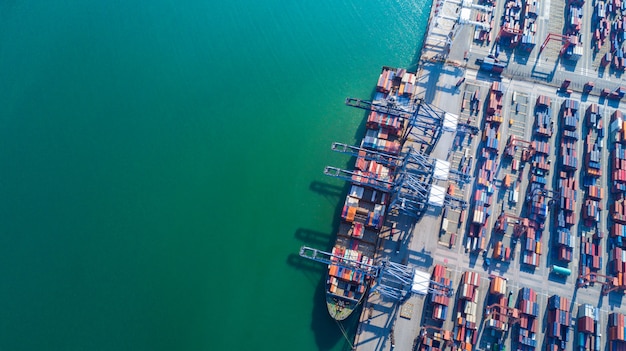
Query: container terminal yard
x=505, y=221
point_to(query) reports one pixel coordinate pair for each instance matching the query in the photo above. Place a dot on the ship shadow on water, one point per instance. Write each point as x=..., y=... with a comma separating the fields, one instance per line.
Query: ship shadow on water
x=327, y=333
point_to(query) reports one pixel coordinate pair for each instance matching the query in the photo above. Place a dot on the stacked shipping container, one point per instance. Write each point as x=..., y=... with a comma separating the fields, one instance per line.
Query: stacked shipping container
x=616, y=11
x=529, y=309
x=587, y=326
x=485, y=171
x=530, y=25
x=543, y=117
x=559, y=321
x=376, y=120
x=440, y=302
x=575, y=18
x=617, y=330
x=480, y=32
x=617, y=209
x=567, y=183
x=494, y=107
x=496, y=318
x=538, y=207
x=511, y=23
x=590, y=251
x=592, y=143
x=407, y=84
x=377, y=140
x=602, y=27
x=433, y=341
x=385, y=79
x=465, y=330
x=617, y=258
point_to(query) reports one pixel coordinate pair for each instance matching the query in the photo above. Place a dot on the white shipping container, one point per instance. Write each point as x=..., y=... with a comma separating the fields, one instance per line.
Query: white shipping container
x=514, y=196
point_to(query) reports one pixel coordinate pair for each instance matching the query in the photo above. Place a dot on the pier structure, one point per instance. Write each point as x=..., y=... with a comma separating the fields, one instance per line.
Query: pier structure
x=538, y=120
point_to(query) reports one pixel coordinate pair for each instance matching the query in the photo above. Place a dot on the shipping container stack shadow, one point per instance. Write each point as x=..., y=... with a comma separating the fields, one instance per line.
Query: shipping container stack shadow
x=486, y=164
x=593, y=194
x=614, y=298
x=565, y=184
x=616, y=221
x=613, y=103
x=544, y=326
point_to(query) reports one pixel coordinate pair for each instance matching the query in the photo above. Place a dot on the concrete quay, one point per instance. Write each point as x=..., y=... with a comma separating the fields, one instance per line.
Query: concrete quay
x=448, y=55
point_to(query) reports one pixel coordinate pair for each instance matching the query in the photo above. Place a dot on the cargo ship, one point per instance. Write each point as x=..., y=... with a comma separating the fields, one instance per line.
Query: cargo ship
x=365, y=205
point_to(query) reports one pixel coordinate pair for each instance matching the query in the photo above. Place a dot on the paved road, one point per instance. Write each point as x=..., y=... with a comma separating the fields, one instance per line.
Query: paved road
x=420, y=245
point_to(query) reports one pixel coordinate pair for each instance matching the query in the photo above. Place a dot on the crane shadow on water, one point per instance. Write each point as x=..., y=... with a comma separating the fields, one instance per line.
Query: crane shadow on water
x=328, y=190
x=326, y=330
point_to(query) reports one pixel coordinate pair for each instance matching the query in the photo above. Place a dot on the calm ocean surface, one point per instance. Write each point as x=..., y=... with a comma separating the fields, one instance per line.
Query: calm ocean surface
x=161, y=164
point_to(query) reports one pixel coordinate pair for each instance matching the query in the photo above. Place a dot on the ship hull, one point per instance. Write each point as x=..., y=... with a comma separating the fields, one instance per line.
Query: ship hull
x=340, y=309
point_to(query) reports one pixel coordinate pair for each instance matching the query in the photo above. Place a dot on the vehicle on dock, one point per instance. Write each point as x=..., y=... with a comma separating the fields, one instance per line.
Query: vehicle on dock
x=564, y=89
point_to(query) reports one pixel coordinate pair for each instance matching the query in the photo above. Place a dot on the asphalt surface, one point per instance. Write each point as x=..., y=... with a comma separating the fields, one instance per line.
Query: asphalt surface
x=425, y=243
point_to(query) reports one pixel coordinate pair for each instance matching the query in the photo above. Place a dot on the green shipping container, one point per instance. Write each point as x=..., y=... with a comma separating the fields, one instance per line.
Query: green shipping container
x=561, y=270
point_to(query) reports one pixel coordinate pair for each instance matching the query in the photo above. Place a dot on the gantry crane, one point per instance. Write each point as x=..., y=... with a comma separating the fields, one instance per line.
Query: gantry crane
x=566, y=39
x=610, y=283
x=510, y=312
x=420, y=115
x=392, y=280
x=510, y=320
x=419, y=163
x=382, y=158
x=412, y=188
x=510, y=32
x=513, y=142
x=429, y=120
x=413, y=194
x=411, y=161
x=429, y=332
x=521, y=225
x=554, y=196
x=360, y=178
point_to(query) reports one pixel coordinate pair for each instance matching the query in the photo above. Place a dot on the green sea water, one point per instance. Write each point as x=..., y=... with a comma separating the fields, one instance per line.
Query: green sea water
x=161, y=164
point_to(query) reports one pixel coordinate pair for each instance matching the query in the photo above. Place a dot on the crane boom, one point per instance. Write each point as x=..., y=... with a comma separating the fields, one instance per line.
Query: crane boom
x=393, y=279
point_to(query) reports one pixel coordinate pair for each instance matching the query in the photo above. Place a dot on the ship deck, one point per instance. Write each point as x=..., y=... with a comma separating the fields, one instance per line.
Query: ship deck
x=365, y=245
